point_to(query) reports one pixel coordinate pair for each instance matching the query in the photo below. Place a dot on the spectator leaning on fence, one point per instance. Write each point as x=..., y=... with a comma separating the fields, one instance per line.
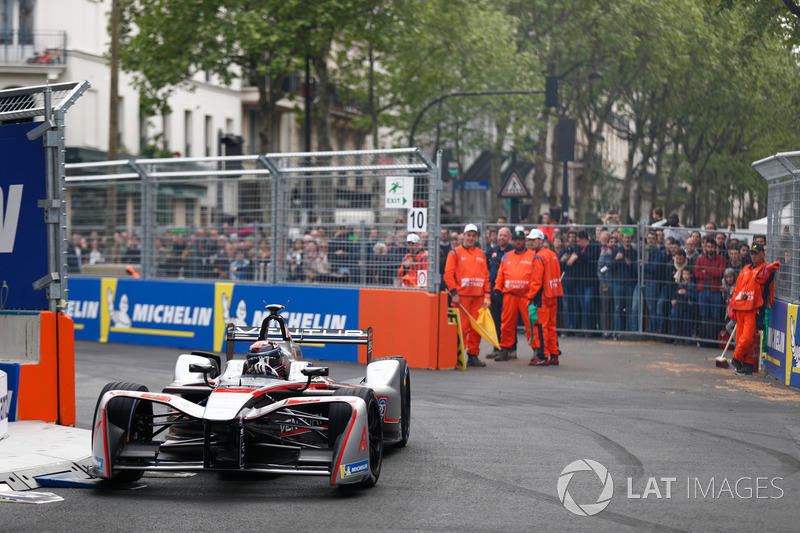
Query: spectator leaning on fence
x=652, y=259
x=568, y=282
x=666, y=281
x=586, y=255
x=708, y=271
x=624, y=266
x=684, y=300
x=604, y=276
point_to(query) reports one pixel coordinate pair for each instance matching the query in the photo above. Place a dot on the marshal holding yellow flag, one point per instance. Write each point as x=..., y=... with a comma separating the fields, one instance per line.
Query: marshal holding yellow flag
x=452, y=318
x=483, y=324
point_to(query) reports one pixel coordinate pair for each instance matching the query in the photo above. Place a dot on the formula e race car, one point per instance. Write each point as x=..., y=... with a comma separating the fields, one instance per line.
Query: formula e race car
x=271, y=412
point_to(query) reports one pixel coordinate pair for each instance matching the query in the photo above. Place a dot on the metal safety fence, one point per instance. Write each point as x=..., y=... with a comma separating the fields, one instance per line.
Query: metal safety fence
x=342, y=218
x=660, y=282
x=782, y=172
x=307, y=218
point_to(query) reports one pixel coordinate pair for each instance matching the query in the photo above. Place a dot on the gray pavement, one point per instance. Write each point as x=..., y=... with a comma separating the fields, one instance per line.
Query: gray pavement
x=489, y=447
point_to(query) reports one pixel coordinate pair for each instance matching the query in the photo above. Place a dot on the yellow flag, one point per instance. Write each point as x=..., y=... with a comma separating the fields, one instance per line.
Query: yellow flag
x=484, y=325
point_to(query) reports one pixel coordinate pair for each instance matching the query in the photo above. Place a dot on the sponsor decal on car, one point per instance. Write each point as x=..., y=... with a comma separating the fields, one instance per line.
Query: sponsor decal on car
x=383, y=404
x=159, y=397
x=352, y=469
x=362, y=447
x=5, y=405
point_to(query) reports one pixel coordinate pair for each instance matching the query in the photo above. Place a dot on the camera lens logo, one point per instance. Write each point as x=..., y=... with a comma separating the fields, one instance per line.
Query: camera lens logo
x=587, y=509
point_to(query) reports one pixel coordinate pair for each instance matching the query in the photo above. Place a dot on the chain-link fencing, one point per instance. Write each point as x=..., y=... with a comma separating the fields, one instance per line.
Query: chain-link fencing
x=341, y=218
x=782, y=172
x=306, y=218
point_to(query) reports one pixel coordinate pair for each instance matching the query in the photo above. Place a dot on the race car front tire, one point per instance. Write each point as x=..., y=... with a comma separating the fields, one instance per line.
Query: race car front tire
x=339, y=418
x=405, y=403
x=131, y=415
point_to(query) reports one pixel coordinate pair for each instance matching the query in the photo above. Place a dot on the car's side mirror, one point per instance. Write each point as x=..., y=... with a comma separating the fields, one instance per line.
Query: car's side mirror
x=315, y=371
x=203, y=368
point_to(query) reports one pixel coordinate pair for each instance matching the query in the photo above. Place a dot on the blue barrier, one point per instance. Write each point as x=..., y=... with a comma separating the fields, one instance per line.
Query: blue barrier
x=23, y=232
x=193, y=315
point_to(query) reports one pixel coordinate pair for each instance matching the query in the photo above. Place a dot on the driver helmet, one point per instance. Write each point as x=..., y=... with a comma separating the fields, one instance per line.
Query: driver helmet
x=265, y=352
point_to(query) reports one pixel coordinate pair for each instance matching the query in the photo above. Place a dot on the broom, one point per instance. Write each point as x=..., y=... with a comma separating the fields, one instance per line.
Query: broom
x=721, y=361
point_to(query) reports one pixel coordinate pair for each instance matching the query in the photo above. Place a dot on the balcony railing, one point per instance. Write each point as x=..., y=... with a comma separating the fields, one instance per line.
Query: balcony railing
x=33, y=48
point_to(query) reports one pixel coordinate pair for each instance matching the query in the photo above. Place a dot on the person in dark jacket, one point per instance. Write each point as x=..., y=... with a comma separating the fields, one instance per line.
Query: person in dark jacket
x=623, y=270
x=584, y=267
x=494, y=256
x=684, y=303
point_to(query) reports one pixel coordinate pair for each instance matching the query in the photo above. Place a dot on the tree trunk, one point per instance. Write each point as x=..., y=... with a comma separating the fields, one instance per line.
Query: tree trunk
x=495, y=183
x=325, y=91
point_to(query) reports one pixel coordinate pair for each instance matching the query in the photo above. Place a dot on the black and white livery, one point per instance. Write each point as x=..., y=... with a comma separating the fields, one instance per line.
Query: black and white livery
x=270, y=412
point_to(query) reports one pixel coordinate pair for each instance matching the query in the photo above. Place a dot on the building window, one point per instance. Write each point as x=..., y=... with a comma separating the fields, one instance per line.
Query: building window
x=26, y=9
x=187, y=133
x=252, y=133
x=166, y=118
x=208, y=132
x=120, y=123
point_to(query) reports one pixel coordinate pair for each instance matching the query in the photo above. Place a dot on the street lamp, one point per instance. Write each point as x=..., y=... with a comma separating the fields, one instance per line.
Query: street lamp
x=550, y=92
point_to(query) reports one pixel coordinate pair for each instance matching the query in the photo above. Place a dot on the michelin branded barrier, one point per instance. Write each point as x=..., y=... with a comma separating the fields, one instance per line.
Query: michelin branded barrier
x=193, y=315
x=782, y=358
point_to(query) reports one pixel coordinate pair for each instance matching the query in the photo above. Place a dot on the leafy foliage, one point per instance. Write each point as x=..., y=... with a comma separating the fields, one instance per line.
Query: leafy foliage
x=696, y=89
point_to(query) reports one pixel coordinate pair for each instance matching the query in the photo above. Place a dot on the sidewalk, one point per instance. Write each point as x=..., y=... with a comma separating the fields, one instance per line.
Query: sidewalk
x=34, y=448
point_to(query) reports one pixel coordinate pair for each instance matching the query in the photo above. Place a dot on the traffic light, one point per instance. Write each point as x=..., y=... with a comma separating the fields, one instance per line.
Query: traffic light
x=449, y=165
x=551, y=91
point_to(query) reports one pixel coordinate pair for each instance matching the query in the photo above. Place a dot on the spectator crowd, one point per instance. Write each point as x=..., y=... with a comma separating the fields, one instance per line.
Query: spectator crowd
x=682, y=278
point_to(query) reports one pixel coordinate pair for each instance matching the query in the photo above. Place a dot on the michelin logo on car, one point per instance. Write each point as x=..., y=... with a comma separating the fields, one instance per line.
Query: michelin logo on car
x=5, y=406
x=352, y=469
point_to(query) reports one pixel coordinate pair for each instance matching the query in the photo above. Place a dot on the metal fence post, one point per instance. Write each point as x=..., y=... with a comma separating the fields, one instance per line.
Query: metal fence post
x=276, y=244
x=640, y=275
x=148, y=194
x=434, y=224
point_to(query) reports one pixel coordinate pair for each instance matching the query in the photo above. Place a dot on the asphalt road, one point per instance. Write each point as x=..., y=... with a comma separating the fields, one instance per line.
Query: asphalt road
x=689, y=447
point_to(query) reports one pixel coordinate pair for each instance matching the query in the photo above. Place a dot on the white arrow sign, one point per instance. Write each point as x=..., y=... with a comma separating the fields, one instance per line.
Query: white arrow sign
x=10, y=218
x=399, y=192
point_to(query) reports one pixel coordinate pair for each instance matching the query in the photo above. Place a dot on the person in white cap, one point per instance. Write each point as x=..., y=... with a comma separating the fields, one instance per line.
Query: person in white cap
x=513, y=280
x=494, y=257
x=467, y=279
x=415, y=260
x=545, y=289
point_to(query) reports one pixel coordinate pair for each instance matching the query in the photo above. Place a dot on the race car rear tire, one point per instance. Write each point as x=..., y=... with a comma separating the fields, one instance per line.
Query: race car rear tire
x=405, y=404
x=374, y=429
x=131, y=415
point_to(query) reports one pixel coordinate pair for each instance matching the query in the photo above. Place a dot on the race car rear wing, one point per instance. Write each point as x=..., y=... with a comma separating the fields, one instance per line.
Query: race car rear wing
x=298, y=335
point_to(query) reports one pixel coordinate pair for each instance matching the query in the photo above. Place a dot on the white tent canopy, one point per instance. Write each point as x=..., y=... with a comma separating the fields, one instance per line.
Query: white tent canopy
x=758, y=226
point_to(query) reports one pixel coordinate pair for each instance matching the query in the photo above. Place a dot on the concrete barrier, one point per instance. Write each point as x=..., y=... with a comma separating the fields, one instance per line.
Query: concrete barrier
x=38, y=356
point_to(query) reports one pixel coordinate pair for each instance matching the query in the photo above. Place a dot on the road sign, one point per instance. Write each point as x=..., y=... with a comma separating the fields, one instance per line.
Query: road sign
x=399, y=192
x=514, y=187
x=417, y=220
x=472, y=185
